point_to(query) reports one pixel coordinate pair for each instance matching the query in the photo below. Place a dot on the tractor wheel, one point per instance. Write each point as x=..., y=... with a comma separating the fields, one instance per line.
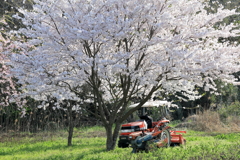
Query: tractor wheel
x=165, y=138
x=122, y=145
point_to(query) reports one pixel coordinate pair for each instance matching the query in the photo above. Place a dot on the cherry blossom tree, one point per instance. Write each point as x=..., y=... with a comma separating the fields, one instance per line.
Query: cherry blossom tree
x=5, y=81
x=122, y=49
x=8, y=89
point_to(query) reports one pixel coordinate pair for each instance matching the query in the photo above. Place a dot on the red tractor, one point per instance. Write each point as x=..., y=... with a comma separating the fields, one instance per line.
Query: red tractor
x=144, y=133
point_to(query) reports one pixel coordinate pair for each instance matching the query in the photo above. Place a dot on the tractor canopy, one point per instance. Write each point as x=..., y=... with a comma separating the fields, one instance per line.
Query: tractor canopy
x=157, y=109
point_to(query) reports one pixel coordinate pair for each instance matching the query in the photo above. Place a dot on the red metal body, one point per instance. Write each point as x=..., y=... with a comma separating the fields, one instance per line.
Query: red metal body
x=177, y=138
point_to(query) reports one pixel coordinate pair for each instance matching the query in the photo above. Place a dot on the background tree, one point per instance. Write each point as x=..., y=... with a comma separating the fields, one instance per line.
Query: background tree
x=10, y=113
x=228, y=4
x=11, y=104
x=122, y=49
x=8, y=8
x=8, y=86
x=10, y=99
x=227, y=92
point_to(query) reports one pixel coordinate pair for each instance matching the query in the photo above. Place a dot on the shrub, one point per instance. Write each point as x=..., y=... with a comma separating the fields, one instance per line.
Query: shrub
x=213, y=121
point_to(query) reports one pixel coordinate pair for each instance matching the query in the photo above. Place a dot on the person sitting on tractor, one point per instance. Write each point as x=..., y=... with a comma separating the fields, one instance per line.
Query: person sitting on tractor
x=148, y=120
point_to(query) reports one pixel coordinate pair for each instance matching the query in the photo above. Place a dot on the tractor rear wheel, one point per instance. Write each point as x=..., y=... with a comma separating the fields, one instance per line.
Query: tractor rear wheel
x=165, y=138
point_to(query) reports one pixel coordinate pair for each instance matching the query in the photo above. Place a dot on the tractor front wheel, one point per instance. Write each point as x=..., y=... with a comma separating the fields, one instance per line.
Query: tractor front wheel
x=123, y=145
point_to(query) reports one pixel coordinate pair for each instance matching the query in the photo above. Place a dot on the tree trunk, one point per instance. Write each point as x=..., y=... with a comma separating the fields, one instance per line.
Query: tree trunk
x=70, y=125
x=70, y=134
x=112, y=135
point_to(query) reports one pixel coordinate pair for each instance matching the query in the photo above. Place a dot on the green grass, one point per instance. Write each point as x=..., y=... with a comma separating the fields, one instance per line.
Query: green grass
x=89, y=144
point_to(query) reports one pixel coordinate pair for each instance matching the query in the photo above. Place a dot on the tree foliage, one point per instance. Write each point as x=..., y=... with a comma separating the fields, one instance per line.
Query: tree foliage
x=10, y=101
x=228, y=4
x=8, y=87
x=8, y=8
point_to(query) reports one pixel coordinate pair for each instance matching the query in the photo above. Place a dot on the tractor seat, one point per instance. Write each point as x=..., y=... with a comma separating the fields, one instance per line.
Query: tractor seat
x=148, y=120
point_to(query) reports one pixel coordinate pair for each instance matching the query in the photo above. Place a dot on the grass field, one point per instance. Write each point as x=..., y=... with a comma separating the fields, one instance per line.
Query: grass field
x=89, y=144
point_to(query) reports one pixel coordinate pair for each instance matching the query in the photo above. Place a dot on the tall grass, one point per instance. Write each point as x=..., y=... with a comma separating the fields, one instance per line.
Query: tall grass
x=212, y=121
